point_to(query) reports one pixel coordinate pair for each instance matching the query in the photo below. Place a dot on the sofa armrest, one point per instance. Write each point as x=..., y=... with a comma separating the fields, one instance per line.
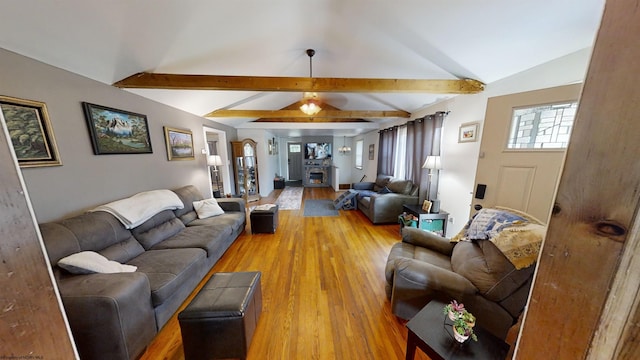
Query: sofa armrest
x=423, y=275
x=427, y=239
x=110, y=315
x=365, y=185
x=231, y=204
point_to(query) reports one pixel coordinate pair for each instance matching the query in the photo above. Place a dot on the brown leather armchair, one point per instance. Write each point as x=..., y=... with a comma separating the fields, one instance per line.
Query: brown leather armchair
x=425, y=266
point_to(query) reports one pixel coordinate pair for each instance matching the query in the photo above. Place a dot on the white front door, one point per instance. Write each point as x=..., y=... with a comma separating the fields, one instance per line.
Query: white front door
x=520, y=179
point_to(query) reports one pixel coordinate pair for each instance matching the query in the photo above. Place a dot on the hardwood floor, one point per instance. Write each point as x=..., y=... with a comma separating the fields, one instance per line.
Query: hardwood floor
x=322, y=287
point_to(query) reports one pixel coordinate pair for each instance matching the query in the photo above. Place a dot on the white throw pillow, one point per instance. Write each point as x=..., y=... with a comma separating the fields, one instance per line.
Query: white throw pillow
x=90, y=262
x=207, y=208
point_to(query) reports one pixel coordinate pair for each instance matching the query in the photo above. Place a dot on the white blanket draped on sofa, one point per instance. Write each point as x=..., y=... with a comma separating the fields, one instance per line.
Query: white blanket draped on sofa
x=140, y=207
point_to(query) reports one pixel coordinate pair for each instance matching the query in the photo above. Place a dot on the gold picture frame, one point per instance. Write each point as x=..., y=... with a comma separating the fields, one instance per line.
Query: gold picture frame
x=30, y=131
x=179, y=144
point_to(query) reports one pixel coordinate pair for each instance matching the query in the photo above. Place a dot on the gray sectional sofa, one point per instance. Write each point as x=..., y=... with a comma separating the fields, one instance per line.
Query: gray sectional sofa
x=381, y=201
x=116, y=315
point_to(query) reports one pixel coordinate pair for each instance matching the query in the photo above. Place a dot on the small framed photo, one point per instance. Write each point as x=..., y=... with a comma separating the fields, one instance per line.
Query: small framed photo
x=271, y=147
x=426, y=206
x=116, y=131
x=468, y=132
x=371, y=150
x=30, y=132
x=179, y=144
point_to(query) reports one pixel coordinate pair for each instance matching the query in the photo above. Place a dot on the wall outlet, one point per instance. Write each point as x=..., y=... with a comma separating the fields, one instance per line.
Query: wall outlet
x=451, y=219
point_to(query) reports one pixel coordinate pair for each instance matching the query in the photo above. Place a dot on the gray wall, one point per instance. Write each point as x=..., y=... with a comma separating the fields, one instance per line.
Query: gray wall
x=86, y=180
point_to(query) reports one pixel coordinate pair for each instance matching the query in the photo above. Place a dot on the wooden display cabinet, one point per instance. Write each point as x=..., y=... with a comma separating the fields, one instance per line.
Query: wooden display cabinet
x=245, y=169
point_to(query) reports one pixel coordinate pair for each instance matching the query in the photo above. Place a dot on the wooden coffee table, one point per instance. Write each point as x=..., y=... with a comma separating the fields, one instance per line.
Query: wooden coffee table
x=427, y=332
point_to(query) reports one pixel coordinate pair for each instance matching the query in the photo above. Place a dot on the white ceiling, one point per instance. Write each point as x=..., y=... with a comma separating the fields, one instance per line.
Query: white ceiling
x=423, y=39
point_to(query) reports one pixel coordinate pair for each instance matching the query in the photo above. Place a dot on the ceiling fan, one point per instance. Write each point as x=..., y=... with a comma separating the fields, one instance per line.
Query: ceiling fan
x=308, y=86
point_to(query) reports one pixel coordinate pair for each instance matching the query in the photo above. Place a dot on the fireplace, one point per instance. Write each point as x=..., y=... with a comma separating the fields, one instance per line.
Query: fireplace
x=316, y=176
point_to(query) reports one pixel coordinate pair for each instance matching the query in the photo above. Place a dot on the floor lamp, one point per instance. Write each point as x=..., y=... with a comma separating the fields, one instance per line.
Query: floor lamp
x=215, y=161
x=432, y=163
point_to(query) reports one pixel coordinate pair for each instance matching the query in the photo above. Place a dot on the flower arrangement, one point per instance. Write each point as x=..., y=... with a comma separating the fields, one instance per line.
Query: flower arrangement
x=463, y=321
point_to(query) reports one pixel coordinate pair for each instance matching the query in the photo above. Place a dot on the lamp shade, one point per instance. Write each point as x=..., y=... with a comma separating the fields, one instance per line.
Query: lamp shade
x=214, y=160
x=432, y=162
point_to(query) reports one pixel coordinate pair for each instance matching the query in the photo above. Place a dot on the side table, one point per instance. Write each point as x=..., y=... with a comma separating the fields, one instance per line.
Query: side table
x=427, y=332
x=434, y=222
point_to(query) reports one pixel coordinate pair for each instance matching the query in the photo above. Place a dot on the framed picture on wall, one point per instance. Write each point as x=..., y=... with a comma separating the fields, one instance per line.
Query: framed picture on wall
x=179, y=144
x=371, y=150
x=116, y=131
x=468, y=132
x=30, y=132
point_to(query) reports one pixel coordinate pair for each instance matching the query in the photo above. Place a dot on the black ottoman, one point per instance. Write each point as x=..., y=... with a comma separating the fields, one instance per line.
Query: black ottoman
x=264, y=219
x=221, y=319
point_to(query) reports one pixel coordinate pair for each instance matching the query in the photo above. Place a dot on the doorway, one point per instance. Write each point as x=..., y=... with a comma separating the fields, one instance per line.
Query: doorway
x=219, y=139
x=294, y=161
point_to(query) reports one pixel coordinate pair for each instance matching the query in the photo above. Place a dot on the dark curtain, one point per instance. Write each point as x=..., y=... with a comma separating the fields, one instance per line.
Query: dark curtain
x=423, y=139
x=386, y=150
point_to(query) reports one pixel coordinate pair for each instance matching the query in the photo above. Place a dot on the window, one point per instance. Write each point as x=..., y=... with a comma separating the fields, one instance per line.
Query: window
x=400, y=162
x=359, y=150
x=542, y=127
x=294, y=148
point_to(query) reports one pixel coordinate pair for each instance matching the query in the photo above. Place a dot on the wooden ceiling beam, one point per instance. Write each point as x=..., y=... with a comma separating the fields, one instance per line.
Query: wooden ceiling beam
x=309, y=120
x=293, y=114
x=146, y=80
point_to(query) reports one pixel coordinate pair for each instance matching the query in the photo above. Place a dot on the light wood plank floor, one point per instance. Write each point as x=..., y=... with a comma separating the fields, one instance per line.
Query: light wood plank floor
x=322, y=285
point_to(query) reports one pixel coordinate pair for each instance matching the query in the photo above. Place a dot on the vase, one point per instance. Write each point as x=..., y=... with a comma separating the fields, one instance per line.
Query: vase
x=459, y=337
x=452, y=316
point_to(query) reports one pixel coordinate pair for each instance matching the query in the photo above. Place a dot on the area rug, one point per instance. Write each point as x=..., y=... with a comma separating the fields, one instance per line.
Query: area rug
x=319, y=208
x=290, y=198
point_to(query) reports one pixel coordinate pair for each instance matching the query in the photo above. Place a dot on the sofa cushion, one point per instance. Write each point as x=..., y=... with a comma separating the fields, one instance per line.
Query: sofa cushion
x=168, y=269
x=207, y=238
x=207, y=208
x=160, y=227
x=90, y=262
x=384, y=190
x=400, y=186
x=381, y=181
x=188, y=194
x=98, y=231
x=487, y=268
x=235, y=220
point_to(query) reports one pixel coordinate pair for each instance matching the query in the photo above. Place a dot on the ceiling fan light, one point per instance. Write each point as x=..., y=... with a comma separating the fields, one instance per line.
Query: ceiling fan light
x=310, y=104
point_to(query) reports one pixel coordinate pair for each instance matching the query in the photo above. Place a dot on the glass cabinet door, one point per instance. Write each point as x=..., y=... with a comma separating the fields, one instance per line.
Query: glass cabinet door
x=240, y=175
x=246, y=169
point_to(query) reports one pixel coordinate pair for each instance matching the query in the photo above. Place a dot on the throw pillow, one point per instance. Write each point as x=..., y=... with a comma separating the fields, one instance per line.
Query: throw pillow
x=384, y=190
x=207, y=208
x=90, y=262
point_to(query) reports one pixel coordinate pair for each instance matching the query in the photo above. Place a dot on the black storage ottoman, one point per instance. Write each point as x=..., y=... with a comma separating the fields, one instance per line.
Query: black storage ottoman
x=264, y=221
x=220, y=320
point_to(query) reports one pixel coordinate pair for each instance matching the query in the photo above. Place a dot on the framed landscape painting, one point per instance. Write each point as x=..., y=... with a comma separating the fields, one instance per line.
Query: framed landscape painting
x=179, y=144
x=116, y=131
x=30, y=132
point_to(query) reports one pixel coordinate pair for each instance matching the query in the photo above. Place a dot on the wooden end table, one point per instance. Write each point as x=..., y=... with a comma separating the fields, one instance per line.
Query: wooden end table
x=427, y=332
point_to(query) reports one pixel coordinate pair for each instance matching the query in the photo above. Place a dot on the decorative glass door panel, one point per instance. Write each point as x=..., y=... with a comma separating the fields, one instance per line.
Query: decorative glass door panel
x=246, y=169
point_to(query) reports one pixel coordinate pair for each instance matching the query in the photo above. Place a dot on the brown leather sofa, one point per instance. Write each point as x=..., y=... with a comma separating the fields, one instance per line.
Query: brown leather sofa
x=381, y=201
x=425, y=266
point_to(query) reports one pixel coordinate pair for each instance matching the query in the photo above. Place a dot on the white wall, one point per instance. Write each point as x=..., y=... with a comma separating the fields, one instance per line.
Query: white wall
x=369, y=167
x=344, y=162
x=459, y=160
